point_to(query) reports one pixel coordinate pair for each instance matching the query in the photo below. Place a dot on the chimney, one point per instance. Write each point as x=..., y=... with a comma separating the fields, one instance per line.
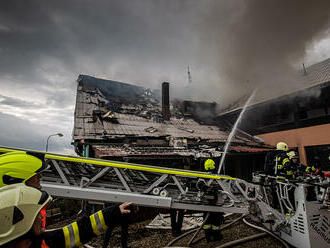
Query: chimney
x=166, y=101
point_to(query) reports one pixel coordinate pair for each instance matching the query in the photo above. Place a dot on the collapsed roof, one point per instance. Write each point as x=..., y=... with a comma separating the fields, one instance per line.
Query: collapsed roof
x=120, y=119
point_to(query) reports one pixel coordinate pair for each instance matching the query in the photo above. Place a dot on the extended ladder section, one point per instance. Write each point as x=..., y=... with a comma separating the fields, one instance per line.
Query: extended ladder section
x=113, y=181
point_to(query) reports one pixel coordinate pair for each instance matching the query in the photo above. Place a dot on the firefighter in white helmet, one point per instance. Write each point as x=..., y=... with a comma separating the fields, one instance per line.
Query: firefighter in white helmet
x=21, y=223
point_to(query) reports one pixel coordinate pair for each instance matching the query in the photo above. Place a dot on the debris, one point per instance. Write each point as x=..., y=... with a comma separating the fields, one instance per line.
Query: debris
x=151, y=130
x=178, y=142
x=109, y=114
x=163, y=221
x=186, y=129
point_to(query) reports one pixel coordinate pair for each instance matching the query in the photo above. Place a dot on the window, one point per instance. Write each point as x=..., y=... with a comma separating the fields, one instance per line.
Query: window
x=320, y=153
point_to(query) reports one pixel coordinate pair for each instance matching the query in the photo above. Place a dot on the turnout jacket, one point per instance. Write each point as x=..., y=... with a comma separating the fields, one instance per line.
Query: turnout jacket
x=278, y=164
x=82, y=230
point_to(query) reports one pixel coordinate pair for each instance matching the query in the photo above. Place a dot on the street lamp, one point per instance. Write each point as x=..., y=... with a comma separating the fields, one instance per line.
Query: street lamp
x=56, y=134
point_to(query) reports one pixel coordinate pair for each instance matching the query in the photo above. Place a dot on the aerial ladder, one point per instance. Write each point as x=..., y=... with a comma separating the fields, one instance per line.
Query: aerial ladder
x=303, y=223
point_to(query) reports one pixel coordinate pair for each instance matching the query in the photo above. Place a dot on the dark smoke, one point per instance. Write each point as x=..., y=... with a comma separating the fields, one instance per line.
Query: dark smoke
x=262, y=43
x=231, y=46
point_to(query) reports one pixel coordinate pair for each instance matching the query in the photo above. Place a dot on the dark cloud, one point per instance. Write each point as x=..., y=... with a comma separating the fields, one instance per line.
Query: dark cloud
x=87, y=32
x=231, y=46
x=30, y=34
x=246, y=43
x=16, y=102
x=18, y=132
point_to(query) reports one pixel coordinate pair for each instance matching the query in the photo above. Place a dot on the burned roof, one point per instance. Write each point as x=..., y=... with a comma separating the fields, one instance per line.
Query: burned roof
x=107, y=110
x=111, y=88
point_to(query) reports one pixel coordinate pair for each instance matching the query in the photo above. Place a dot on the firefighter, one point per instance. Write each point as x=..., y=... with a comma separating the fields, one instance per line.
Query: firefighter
x=298, y=168
x=298, y=172
x=209, y=165
x=315, y=167
x=310, y=169
x=278, y=163
x=21, y=225
x=295, y=166
x=23, y=167
x=211, y=226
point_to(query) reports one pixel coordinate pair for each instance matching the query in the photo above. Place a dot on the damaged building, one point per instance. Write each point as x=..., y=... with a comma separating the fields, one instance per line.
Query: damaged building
x=300, y=118
x=124, y=122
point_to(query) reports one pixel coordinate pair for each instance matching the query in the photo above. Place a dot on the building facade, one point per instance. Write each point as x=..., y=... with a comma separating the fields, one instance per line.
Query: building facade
x=301, y=118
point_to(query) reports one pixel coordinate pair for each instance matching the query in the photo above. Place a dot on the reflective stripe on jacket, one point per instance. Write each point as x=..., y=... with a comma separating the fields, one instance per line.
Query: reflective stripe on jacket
x=215, y=228
x=207, y=226
x=310, y=169
x=84, y=229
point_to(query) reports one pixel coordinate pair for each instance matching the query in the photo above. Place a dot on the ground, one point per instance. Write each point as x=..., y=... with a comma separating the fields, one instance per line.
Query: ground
x=141, y=237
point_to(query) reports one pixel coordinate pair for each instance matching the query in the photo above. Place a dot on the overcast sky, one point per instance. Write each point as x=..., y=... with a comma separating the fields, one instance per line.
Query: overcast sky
x=230, y=46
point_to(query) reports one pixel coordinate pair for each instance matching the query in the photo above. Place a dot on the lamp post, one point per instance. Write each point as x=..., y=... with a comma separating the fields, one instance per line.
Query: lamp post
x=56, y=134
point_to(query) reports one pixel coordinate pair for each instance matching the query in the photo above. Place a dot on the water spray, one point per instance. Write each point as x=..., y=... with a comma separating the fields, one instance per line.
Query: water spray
x=233, y=131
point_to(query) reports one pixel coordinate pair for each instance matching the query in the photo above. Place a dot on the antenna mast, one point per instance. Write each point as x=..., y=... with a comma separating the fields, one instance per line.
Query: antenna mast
x=189, y=76
x=304, y=69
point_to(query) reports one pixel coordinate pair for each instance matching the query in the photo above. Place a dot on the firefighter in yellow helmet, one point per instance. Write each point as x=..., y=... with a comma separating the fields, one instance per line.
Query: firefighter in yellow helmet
x=297, y=172
x=209, y=165
x=282, y=146
x=277, y=162
x=21, y=167
x=297, y=167
x=290, y=170
x=21, y=226
x=291, y=155
x=211, y=226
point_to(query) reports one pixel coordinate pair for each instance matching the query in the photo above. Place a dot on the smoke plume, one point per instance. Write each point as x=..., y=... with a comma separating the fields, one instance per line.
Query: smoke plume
x=262, y=44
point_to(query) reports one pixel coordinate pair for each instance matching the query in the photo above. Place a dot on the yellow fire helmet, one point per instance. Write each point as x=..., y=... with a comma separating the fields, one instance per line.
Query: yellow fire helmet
x=292, y=154
x=209, y=164
x=281, y=146
x=19, y=207
x=17, y=167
